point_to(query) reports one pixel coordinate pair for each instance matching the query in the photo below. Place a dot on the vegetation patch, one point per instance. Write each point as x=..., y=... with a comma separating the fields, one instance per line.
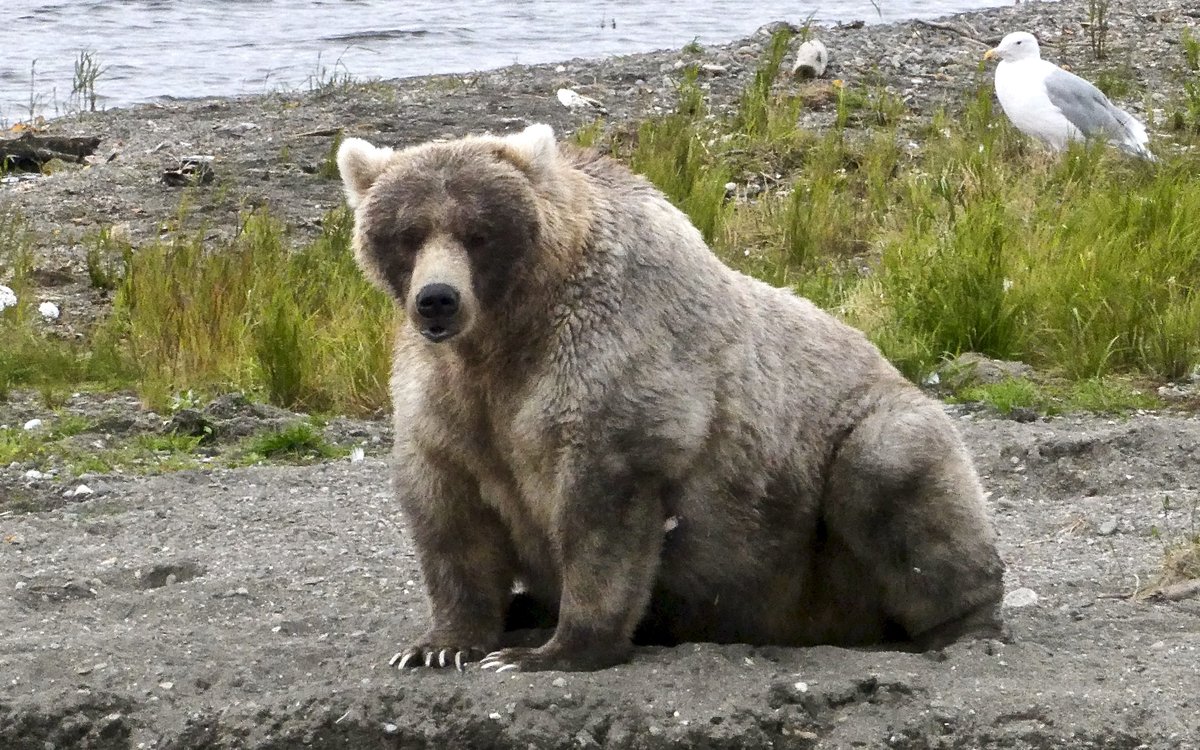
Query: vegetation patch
x=936, y=236
x=299, y=442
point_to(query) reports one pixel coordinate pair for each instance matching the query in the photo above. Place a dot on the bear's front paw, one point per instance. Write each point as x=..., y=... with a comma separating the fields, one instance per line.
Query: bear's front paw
x=552, y=657
x=435, y=655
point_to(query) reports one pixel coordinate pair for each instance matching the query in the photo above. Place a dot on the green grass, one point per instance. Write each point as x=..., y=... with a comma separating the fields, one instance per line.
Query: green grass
x=935, y=235
x=300, y=326
x=1095, y=395
x=1085, y=265
x=328, y=168
x=299, y=442
x=1191, y=49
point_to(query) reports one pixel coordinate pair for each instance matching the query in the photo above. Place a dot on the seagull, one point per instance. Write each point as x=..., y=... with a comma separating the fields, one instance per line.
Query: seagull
x=573, y=100
x=1055, y=106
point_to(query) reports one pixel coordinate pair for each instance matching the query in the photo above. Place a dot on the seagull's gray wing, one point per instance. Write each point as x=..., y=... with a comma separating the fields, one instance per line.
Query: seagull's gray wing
x=1088, y=108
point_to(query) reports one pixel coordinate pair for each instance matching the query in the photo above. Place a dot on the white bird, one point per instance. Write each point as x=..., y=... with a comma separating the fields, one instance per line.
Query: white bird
x=573, y=100
x=1055, y=106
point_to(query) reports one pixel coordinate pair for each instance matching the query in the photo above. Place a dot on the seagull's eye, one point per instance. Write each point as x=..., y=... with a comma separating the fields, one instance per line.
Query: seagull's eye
x=1021, y=41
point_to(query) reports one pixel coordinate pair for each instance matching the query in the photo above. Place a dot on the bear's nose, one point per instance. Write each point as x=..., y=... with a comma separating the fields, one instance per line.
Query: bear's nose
x=437, y=301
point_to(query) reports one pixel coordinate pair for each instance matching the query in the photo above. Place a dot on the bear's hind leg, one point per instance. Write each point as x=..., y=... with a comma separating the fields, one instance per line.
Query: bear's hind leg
x=903, y=498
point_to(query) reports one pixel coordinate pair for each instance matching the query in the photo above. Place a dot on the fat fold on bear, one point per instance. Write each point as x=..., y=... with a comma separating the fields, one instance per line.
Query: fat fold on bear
x=592, y=409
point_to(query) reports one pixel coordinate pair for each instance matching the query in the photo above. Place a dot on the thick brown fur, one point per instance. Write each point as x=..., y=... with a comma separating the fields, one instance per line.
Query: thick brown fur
x=638, y=435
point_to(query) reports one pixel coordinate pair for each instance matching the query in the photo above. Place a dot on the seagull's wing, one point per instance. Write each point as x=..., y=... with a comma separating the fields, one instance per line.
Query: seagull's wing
x=1088, y=109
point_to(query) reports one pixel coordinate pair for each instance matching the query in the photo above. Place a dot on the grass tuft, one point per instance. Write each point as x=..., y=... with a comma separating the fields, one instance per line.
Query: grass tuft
x=298, y=442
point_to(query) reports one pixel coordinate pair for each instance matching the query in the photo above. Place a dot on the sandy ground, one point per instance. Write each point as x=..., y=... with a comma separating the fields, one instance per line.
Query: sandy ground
x=257, y=607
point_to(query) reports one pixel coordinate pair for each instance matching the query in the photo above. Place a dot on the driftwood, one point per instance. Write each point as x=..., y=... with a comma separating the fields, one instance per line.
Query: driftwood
x=31, y=152
x=1176, y=591
x=811, y=60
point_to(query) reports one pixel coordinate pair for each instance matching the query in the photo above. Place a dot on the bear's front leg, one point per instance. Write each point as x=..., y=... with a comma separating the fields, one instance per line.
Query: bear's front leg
x=609, y=534
x=466, y=558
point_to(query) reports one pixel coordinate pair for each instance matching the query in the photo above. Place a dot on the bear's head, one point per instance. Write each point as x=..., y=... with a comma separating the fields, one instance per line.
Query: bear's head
x=449, y=228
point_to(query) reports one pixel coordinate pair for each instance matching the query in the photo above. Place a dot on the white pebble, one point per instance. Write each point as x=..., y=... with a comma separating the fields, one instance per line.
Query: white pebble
x=33, y=424
x=34, y=474
x=357, y=455
x=8, y=298
x=48, y=310
x=1021, y=597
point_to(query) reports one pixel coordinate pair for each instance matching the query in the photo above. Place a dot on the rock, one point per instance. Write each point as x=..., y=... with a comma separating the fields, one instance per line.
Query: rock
x=576, y=102
x=8, y=298
x=33, y=424
x=166, y=574
x=972, y=368
x=811, y=59
x=227, y=406
x=48, y=311
x=1109, y=527
x=190, y=423
x=1021, y=597
x=192, y=170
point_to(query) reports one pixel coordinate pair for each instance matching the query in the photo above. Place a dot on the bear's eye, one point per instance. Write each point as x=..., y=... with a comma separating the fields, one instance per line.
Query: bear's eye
x=475, y=241
x=411, y=237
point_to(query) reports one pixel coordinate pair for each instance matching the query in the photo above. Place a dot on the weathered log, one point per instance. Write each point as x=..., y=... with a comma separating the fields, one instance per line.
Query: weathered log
x=31, y=152
x=811, y=59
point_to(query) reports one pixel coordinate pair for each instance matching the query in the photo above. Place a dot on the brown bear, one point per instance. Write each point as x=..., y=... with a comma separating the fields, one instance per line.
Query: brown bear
x=591, y=407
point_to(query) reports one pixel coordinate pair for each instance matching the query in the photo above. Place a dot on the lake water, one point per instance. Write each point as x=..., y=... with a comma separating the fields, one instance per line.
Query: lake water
x=150, y=49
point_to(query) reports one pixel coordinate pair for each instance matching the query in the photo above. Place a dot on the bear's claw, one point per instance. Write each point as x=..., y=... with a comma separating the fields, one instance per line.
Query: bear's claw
x=496, y=660
x=433, y=657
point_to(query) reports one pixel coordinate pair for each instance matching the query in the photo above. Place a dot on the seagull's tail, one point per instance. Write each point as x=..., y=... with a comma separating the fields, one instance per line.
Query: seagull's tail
x=1136, y=140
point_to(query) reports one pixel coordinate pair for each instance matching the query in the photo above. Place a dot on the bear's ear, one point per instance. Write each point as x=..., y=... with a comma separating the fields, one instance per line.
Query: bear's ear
x=360, y=164
x=533, y=150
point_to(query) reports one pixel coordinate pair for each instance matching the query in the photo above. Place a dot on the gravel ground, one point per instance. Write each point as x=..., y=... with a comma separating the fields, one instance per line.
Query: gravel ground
x=256, y=607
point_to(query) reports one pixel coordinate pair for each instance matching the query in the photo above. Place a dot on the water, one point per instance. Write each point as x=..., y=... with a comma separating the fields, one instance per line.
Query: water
x=150, y=49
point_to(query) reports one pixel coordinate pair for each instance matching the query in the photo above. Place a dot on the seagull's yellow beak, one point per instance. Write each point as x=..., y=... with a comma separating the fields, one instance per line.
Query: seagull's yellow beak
x=990, y=54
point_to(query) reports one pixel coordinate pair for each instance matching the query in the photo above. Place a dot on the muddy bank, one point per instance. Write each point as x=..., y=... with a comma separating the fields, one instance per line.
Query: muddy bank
x=257, y=608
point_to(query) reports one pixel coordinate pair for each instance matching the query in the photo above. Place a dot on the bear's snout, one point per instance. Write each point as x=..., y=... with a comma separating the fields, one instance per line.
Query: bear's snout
x=437, y=307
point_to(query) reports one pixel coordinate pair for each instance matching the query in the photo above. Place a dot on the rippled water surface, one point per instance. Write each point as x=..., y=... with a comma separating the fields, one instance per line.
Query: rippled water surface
x=184, y=48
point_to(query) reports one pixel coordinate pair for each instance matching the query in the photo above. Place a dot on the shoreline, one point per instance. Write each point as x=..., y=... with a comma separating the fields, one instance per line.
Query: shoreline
x=369, y=61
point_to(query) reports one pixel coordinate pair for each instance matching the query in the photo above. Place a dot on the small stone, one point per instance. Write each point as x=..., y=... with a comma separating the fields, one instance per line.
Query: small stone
x=390, y=728
x=1022, y=597
x=34, y=474
x=166, y=685
x=33, y=424
x=802, y=687
x=559, y=682
x=48, y=311
x=1109, y=527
